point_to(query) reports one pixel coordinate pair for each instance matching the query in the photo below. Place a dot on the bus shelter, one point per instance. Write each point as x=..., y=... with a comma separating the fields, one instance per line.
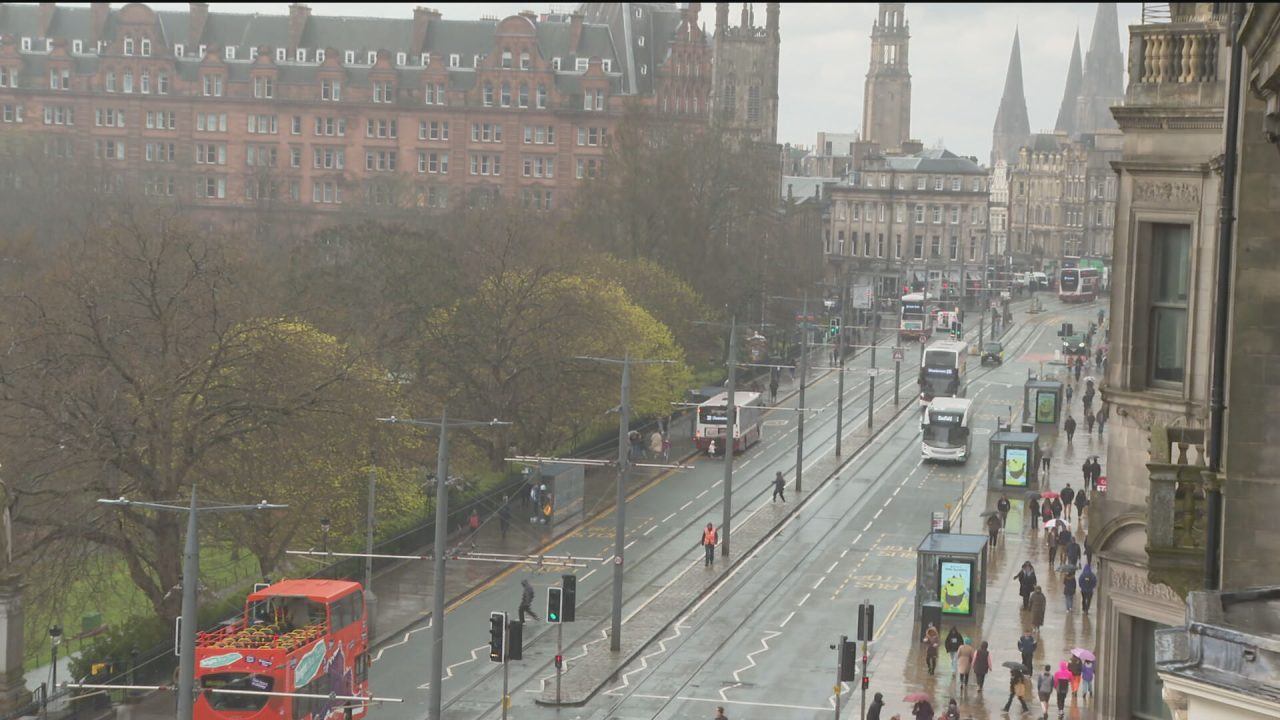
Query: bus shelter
x=556, y=493
x=1013, y=461
x=1042, y=403
x=951, y=581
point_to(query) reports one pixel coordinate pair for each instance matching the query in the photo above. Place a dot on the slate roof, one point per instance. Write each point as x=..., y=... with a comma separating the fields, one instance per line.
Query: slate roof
x=937, y=160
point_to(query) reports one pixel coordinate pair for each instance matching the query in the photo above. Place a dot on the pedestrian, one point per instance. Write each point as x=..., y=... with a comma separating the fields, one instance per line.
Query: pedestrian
x=1088, y=582
x=1037, y=608
x=1088, y=419
x=504, y=517
x=1051, y=542
x=1079, y=367
x=1076, y=666
x=1086, y=678
x=1072, y=551
x=993, y=528
x=931, y=642
x=1027, y=648
x=709, y=544
x=526, y=600
x=1055, y=507
x=1070, y=392
x=1097, y=471
x=1044, y=689
x=1062, y=683
x=793, y=372
x=1002, y=507
x=1045, y=461
x=1097, y=359
x=1046, y=513
x=1033, y=509
x=964, y=662
x=720, y=713
x=922, y=710
x=1067, y=494
x=773, y=389
x=655, y=443
x=666, y=448
x=982, y=663
x=1081, y=500
x=1086, y=471
x=952, y=644
x=952, y=712
x=711, y=449
x=779, y=484
x=1102, y=418
x=1070, y=426
x=1069, y=590
x=877, y=703
x=473, y=522
x=1017, y=689
x=1026, y=579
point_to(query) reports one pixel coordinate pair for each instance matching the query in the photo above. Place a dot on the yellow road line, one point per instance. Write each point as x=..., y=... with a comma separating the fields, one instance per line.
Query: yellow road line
x=884, y=624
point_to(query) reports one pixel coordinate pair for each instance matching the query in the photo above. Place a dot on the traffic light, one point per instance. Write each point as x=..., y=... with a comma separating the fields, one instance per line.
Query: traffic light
x=866, y=622
x=568, y=600
x=559, y=661
x=497, y=635
x=866, y=682
x=515, y=640
x=554, y=602
x=848, y=659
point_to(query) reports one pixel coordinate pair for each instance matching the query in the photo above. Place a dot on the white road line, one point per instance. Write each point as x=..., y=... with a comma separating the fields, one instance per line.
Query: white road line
x=682, y=507
x=646, y=532
x=897, y=490
x=628, y=545
x=584, y=577
x=855, y=540
x=815, y=585
x=699, y=497
x=877, y=515
x=716, y=483
x=803, y=600
x=607, y=560
x=751, y=662
x=868, y=527
x=833, y=566
x=787, y=619
x=843, y=553
x=668, y=517
x=402, y=640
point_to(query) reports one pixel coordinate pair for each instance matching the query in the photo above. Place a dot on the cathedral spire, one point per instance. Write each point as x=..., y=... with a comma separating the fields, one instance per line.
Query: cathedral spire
x=1071, y=94
x=1103, y=82
x=1012, y=129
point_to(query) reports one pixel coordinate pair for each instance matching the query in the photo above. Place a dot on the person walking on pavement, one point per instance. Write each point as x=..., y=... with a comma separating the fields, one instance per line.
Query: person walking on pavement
x=655, y=444
x=931, y=642
x=1081, y=500
x=1002, y=507
x=779, y=484
x=1027, y=648
x=666, y=448
x=773, y=389
x=993, y=529
x=1017, y=689
x=473, y=522
x=1026, y=579
x=1072, y=551
x=1069, y=392
x=1086, y=678
x=1045, y=461
x=964, y=662
x=1069, y=425
x=1102, y=418
x=1055, y=508
x=922, y=710
x=1076, y=666
x=1088, y=419
x=1088, y=582
x=1069, y=590
x=1079, y=367
x=709, y=544
x=1097, y=471
x=1038, y=603
x=1086, y=470
x=526, y=601
x=1033, y=509
x=1062, y=683
x=877, y=703
x=952, y=712
x=1051, y=542
x=504, y=517
x=1067, y=493
x=711, y=449
x=1044, y=689
x=982, y=663
x=952, y=644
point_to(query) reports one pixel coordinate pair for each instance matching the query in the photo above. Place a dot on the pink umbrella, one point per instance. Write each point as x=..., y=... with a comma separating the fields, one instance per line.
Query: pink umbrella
x=916, y=697
x=1083, y=654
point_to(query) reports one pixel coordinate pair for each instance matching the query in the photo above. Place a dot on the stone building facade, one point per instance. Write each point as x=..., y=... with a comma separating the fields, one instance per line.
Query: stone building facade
x=886, y=103
x=744, y=99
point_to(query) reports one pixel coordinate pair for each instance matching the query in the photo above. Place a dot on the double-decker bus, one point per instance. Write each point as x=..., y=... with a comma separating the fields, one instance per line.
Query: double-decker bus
x=713, y=415
x=299, y=649
x=945, y=430
x=1078, y=284
x=942, y=370
x=915, y=316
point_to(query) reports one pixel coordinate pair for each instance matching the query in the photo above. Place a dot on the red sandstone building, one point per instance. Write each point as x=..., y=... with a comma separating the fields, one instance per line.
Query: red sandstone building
x=231, y=110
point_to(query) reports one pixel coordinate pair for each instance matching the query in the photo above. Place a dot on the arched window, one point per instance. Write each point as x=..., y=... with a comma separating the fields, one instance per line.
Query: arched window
x=488, y=94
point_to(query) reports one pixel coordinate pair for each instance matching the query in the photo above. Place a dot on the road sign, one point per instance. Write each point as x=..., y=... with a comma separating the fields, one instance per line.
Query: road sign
x=898, y=354
x=1102, y=483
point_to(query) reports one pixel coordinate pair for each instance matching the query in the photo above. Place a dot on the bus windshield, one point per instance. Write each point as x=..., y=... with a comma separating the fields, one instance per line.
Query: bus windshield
x=940, y=359
x=911, y=307
x=945, y=430
x=1069, y=280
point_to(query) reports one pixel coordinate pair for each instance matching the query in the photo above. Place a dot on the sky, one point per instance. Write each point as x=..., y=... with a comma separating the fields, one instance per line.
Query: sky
x=958, y=56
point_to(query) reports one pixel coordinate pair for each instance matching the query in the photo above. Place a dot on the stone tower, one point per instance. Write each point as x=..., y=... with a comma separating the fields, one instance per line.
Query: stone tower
x=744, y=99
x=1103, y=83
x=1068, y=110
x=886, y=103
x=1012, y=129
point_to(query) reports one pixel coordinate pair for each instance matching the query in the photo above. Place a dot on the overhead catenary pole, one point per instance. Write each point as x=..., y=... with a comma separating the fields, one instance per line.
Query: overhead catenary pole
x=370, y=600
x=804, y=367
x=844, y=301
x=731, y=418
x=620, y=508
x=871, y=387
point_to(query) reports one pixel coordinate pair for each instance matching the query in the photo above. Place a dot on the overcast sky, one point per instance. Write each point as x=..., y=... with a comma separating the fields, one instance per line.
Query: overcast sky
x=958, y=57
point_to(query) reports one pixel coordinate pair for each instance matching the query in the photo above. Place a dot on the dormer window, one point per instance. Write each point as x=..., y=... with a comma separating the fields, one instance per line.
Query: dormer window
x=349, y=57
x=253, y=52
x=608, y=66
x=146, y=47
x=77, y=46
x=48, y=44
x=128, y=46
x=372, y=57
x=319, y=55
x=555, y=63
x=230, y=52
x=300, y=55
x=101, y=44
x=454, y=60
x=580, y=64
x=401, y=59
x=202, y=50
x=425, y=59
x=178, y=50
x=281, y=55
x=26, y=44
x=506, y=59
x=475, y=61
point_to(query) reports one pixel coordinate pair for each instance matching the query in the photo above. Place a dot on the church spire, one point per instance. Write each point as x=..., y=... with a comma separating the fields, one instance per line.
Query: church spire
x=1071, y=94
x=1103, y=82
x=1012, y=129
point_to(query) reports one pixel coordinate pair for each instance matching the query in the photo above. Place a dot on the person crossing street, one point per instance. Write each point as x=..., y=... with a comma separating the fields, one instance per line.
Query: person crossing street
x=526, y=601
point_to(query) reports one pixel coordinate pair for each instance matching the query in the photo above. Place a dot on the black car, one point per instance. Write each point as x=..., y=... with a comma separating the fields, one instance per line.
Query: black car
x=1075, y=345
x=993, y=352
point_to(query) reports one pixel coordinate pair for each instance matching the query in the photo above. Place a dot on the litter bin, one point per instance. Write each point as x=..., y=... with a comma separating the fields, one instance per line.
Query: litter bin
x=930, y=614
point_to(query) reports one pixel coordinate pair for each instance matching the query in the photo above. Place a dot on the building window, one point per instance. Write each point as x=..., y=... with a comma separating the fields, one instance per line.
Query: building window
x=753, y=103
x=211, y=122
x=1146, y=699
x=328, y=158
x=436, y=163
x=263, y=87
x=108, y=149
x=523, y=99
x=919, y=248
x=108, y=117
x=383, y=92
x=434, y=94
x=955, y=184
x=128, y=45
x=897, y=246
x=58, y=115
x=955, y=216
x=12, y=113
x=506, y=95
x=973, y=248
x=589, y=168
x=937, y=182
x=295, y=157
x=331, y=90
x=262, y=124
x=487, y=95
x=162, y=84
x=920, y=182
x=261, y=155
x=538, y=166
x=879, y=248
x=326, y=192
x=1170, y=284
x=211, y=154
x=899, y=212
x=918, y=214
x=213, y=85
x=380, y=128
x=937, y=214
x=541, y=98
x=486, y=132
x=935, y=246
x=380, y=160
x=485, y=164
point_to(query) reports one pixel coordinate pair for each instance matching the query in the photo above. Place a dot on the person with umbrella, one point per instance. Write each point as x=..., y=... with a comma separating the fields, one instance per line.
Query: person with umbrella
x=1086, y=677
x=1088, y=582
x=1027, y=647
x=921, y=709
x=877, y=703
x=1076, y=666
x=952, y=644
x=982, y=663
x=1017, y=686
x=1037, y=608
x=1026, y=579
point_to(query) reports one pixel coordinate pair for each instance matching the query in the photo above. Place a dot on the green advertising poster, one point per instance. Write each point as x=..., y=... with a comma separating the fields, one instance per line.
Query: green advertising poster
x=1015, y=466
x=955, y=579
x=1046, y=407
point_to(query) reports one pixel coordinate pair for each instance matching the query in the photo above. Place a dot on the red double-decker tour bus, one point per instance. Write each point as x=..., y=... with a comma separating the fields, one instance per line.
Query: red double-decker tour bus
x=300, y=647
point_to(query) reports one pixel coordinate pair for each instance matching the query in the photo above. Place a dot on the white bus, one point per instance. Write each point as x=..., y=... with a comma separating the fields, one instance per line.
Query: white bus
x=945, y=430
x=942, y=370
x=915, y=316
x=713, y=415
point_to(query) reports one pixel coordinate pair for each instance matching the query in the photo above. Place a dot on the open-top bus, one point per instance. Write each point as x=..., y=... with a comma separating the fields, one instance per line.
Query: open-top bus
x=713, y=415
x=942, y=370
x=1078, y=284
x=945, y=430
x=915, y=316
x=299, y=644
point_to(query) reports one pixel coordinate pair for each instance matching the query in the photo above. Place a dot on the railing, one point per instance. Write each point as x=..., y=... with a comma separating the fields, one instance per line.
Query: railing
x=1175, y=53
x=1177, y=507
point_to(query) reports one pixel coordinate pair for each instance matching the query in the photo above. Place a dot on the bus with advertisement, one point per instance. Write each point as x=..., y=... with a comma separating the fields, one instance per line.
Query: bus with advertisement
x=915, y=316
x=299, y=651
x=713, y=415
x=942, y=370
x=1078, y=284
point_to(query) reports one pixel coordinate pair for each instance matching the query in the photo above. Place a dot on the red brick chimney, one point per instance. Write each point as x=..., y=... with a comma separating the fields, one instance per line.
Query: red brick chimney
x=99, y=12
x=422, y=19
x=199, y=13
x=575, y=31
x=46, y=18
x=298, y=16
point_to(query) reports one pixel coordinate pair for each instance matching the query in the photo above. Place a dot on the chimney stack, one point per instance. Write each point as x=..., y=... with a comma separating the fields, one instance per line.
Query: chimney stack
x=575, y=31
x=423, y=17
x=199, y=13
x=298, y=16
x=98, y=14
x=46, y=18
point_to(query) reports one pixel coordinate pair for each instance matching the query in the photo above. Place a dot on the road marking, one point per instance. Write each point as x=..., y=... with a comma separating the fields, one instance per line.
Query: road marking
x=833, y=566
x=646, y=532
x=699, y=497
x=584, y=577
x=843, y=553
x=896, y=491
x=644, y=659
x=716, y=483
x=682, y=507
x=815, y=585
x=868, y=527
x=787, y=619
x=751, y=662
x=803, y=600
x=668, y=517
x=628, y=545
x=403, y=640
x=855, y=540
x=877, y=515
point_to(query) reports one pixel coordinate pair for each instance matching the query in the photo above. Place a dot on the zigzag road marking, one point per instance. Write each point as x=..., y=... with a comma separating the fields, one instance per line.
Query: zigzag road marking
x=448, y=671
x=751, y=662
x=604, y=635
x=644, y=659
x=402, y=641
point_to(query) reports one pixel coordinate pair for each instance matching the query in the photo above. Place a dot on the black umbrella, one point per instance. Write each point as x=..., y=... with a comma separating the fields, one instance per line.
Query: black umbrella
x=987, y=513
x=1016, y=666
x=1033, y=494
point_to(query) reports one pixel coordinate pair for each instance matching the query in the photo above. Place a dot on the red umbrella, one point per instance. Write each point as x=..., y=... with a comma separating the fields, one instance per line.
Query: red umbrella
x=916, y=697
x=1049, y=494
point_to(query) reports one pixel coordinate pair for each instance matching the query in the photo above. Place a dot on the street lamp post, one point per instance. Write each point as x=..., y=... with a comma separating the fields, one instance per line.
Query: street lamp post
x=190, y=583
x=438, y=551
x=55, y=639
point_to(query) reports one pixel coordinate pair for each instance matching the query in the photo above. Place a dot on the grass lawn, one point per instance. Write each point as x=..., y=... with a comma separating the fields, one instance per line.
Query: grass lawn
x=115, y=597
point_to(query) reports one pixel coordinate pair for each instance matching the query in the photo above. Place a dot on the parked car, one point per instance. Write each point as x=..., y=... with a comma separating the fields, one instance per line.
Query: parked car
x=993, y=352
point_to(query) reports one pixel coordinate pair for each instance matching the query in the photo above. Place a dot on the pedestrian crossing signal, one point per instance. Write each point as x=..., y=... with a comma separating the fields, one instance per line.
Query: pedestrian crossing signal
x=848, y=659
x=555, y=599
x=497, y=636
x=866, y=682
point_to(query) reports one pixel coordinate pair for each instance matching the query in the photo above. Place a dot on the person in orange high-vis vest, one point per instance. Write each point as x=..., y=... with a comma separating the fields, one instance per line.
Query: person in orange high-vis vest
x=709, y=544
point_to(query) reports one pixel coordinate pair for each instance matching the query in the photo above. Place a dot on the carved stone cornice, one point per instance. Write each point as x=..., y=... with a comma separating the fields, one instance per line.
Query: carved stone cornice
x=1135, y=582
x=1166, y=193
